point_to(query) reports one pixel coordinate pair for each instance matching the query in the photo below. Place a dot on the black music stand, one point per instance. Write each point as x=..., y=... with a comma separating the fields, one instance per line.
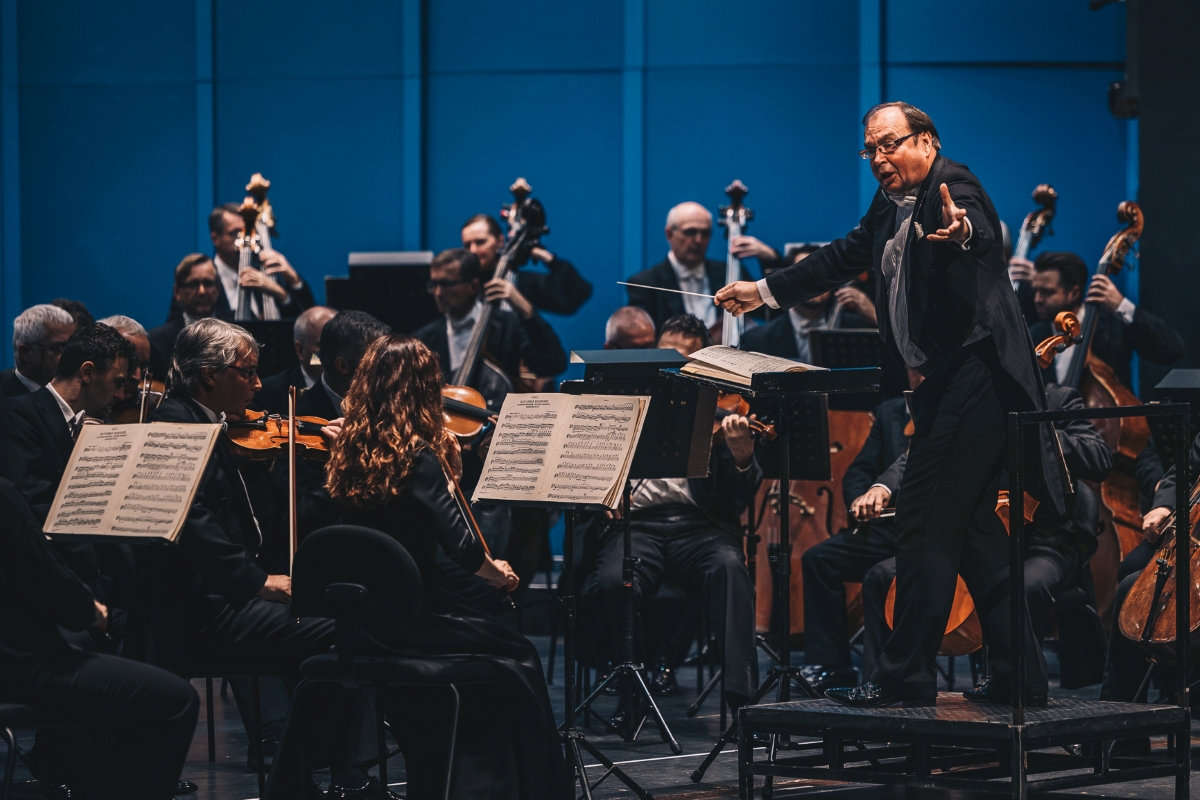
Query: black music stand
x=785, y=388
x=847, y=348
x=1179, y=386
x=389, y=286
x=276, y=348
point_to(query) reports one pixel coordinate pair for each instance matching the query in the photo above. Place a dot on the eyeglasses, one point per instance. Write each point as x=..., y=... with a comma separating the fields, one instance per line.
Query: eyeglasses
x=248, y=373
x=443, y=283
x=887, y=148
x=52, y=347
x=694, y=233
x=192, y=286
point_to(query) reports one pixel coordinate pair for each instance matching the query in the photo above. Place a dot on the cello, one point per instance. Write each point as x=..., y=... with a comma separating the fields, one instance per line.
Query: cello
x=1120, y=513
x=734, y=219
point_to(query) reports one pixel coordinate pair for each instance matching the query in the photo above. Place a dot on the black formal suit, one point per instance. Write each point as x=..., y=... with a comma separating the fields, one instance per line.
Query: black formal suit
x=698, y=547
x=1115, y=342
x=162, y=345
x=273, y=396
x=11, y=385
x=661, y=306
x=946, y=522
x=558, y=290
x=299, y=300
x=140, y=719
x=511, y=341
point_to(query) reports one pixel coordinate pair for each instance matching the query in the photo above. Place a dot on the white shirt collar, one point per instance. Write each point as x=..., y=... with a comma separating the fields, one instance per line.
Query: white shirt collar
x=681, y=270
x=334, y=397
x=69, y=414
x=309, y=381
x=467, y=321
x=32, y=386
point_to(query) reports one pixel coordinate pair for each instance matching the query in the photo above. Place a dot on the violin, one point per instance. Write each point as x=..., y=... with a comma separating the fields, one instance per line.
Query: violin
x=734, y=219
x=1069, y=334
x=730, y=403
x=138, y=406
x=464, y=412
x=259, y=435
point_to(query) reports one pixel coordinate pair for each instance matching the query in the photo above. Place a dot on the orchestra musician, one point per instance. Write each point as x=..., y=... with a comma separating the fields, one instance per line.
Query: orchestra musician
x=629, y=328
x=225, y=227
x=688, y=232
x=947, y=309
x=39, y=335
x=304, y=375
x=847, y=555
x=1058, y=547
x=687, y=529
x=559, y=290
x=388, y=471
x=196, y=291
x=1122, y=329
x=139, y=340
x=210, y=597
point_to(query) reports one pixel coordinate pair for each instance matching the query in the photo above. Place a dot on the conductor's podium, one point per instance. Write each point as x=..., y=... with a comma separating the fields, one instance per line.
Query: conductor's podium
x=959, y=745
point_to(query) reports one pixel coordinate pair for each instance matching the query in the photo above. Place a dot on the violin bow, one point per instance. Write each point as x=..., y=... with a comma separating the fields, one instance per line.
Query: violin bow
x=145, y=394
x=292, y=539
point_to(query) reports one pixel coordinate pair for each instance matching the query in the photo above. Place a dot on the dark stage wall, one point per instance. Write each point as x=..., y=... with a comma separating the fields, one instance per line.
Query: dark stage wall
x=383, y=125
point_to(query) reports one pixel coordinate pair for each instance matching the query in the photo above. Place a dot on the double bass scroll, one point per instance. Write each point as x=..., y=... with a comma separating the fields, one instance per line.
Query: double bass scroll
x=733, y=218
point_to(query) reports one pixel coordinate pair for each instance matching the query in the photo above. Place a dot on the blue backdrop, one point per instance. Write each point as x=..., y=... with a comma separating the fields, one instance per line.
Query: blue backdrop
x=384, y=125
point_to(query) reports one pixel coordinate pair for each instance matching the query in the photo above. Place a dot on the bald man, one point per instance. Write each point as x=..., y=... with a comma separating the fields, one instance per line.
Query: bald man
x=688, y=231
x=629, y=328
x=306, y=337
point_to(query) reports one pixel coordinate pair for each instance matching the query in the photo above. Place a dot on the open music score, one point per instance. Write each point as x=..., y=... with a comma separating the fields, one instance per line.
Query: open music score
x=739, y=366
x=557, y=448
x=131, y=481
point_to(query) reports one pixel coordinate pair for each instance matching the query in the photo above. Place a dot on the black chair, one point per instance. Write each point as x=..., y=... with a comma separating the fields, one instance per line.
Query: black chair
x=364, y=578
x=19, y=715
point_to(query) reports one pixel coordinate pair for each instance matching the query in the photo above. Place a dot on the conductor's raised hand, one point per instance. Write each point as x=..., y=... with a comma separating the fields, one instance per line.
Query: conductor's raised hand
x=954, y=221
x=739, y=297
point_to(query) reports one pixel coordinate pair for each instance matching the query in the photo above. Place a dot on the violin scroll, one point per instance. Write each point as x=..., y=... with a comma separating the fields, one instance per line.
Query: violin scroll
x=1070, y=332
x=257, y=189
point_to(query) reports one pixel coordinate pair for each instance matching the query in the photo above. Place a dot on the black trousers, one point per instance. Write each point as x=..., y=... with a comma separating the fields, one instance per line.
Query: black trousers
x=946, y=524
x=828, y=566
x=696, y=555
x=1047, y=571
x=140, y=719
x=1126, y=664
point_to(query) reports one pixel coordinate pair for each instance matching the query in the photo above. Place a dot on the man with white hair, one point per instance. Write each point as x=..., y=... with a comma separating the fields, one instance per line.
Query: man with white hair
x=688, y=231
x=39, y=335
x=306, y=338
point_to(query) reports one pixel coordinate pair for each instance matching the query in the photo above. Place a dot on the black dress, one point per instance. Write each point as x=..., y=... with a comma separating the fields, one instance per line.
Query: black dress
x=508, y=741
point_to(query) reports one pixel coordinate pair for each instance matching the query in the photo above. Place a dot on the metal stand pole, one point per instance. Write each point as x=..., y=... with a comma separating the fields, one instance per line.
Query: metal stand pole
x=574, y=741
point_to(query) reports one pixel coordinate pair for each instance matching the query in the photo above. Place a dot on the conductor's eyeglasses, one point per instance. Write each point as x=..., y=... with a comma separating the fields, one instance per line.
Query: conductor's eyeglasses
x=887, y=148
x=444, y=283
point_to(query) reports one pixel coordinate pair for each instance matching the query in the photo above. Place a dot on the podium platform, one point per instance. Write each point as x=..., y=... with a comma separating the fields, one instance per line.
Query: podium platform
x=960, y=745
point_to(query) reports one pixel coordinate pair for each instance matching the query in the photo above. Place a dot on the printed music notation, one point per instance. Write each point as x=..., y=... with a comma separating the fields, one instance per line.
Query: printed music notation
x=131, y=480
x=558, y=448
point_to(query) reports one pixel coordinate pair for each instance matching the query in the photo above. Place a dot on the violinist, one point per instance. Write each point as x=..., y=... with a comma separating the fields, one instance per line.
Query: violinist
x=388, y=470
x=629, y=328
x=196, y=291
x=846, y=556
x=558, y=290
x=292, y=294
x=139, y=340
x=304, y=374
x=687, y=530
x=39, y=335
x=1122, y=329
x=210, y=594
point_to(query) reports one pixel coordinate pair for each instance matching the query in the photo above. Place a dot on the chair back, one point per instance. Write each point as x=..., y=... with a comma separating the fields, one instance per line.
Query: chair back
x=341, y=556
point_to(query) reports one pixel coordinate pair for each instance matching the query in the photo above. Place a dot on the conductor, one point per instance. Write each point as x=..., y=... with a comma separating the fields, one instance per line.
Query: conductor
x=946, y=309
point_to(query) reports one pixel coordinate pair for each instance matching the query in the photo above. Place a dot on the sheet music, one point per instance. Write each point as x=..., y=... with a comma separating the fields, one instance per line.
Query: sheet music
x=131, y=480
x=562, y=449
x=746, y=363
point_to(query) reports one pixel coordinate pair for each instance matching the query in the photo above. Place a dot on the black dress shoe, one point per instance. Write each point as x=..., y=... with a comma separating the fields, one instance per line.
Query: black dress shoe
x=186, y=787
x=821, y=678
x=989, y=692
x=371, y=789
x=663, y=682
x=872, y=695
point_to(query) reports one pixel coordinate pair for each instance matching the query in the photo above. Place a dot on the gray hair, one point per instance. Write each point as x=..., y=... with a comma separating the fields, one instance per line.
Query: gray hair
x=30, y=326
x=211, y=343
x=126, y=326
x=624, y=319
x=674, y=214
x=306, y=328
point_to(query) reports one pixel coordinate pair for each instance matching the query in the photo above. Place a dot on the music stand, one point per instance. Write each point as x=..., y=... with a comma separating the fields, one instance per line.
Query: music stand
x=276, y=351
x=783, y=387
x=389, y=286
x=1179, y=386
x=847, y=348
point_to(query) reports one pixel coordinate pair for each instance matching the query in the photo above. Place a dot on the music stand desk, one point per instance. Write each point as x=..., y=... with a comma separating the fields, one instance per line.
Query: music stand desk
x=790, y=384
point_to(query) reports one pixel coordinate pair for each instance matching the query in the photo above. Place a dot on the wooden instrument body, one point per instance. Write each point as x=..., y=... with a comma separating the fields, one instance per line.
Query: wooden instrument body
x=265, y=436
x=130, y=410
x=464, y=411
x=817, y=512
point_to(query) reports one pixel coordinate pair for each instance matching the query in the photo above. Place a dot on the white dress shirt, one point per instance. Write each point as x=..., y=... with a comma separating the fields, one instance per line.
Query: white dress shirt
x=660, y=492
x=801, y=325
x=694, y=279
x=73, y=418
x=1062, y=361
x=458, y=335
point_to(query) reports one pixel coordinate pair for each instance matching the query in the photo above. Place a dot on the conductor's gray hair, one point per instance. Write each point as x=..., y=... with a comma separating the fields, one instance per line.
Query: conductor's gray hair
x=624, y=320
x=126, y=326
x=31, y=325
x=675, y=213
x=211, y=343
x=918, y=120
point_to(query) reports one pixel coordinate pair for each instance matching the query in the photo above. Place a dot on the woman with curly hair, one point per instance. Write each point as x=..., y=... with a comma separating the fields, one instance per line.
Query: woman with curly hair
x=387, y=470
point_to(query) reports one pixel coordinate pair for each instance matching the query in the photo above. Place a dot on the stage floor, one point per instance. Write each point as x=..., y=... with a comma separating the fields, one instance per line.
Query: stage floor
x=648, y=760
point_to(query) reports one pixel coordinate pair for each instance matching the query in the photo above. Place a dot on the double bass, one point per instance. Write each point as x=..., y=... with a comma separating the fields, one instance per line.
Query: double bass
x=1120, y=512
x=734, y=219
x=1037, y=222
x=249, y=245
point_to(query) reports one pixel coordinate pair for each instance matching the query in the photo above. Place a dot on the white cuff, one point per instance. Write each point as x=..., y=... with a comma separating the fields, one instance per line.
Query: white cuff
x=765, y=294
x=1125, y=310
x=883, y=486
x=966, y=244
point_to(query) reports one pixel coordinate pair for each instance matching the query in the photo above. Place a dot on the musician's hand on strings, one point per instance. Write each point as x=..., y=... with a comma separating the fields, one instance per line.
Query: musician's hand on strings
x=1152, y=523
x=497, y=289
x=1020, y=269
x=332, y=430
x=856, y=300
x=869, y=505
x=276, y=263
x=1104, y=293
x=749, y=247
x=739, y=439
x=739, y=298
x=277, y=589
x=254, y=279
x=101, y=615
x=954, y=222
